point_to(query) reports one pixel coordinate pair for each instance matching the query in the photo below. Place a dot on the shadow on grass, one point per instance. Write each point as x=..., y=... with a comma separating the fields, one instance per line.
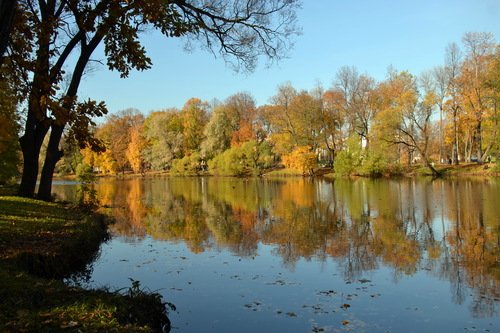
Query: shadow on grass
x=42, y=243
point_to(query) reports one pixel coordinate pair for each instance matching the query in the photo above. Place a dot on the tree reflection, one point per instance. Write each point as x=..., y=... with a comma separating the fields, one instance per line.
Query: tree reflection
x=447, y=227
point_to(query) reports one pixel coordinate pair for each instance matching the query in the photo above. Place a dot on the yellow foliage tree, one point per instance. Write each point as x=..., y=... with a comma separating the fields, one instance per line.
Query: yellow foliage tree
x=134, y=149
x=301, y=159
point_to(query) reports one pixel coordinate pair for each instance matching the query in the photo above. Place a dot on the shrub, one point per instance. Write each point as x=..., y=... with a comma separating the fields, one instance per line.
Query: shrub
x=349, y=160
x=301, y=159
x=189, y=165
x=250, y=158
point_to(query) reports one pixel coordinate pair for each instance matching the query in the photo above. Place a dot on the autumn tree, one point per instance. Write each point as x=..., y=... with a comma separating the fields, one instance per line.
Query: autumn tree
x=440, y=82
x=116, y=134
x=294, y=119
x=333, y=121
x=194, y=116
x=405, y=117
x=453, y=104
x=231, y=123
x=492, y=84
x=479, y=49
x=241, y=113
x=217, y=133
x=71, y=29
x=162, y=131
x=305, y=111
x=279, y=116
x=358, y=100
x=301, y=159
x=135, y=148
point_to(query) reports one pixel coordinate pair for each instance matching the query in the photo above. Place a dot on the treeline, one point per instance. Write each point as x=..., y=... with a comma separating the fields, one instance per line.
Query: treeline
x=357, y=126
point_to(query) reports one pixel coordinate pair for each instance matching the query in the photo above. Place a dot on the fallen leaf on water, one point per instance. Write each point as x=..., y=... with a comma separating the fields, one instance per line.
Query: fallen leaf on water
x=345, y=322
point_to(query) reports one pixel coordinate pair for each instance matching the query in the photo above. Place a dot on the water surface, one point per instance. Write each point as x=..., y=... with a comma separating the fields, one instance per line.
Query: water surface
x=300, y=255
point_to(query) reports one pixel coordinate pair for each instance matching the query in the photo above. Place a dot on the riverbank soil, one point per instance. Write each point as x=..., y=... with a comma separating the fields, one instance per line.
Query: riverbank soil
x=40, y=244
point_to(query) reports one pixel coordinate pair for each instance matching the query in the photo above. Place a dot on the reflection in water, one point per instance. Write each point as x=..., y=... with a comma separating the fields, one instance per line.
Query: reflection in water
x=450, y=228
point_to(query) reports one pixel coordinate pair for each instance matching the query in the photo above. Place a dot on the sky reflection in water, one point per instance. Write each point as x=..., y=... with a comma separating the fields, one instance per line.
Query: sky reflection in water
x=299, y=255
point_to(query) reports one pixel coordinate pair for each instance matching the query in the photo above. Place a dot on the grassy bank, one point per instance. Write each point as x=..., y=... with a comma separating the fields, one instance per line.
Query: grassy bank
x=40, y=243
x=446, y=170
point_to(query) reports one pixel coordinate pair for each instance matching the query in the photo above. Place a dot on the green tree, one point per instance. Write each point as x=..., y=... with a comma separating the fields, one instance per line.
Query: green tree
x=249, y=158
x=217, y=133
x=162, y=131
x=72, y=156
x=194, y=116
x=189, y=165
x=350, y=159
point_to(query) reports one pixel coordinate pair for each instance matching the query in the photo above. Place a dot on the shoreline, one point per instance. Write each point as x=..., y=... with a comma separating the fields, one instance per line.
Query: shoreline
x=40, y=244
x=448, y=171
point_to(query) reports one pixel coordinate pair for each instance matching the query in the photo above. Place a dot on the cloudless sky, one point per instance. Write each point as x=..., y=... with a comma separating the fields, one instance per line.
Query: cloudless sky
x=368, y=34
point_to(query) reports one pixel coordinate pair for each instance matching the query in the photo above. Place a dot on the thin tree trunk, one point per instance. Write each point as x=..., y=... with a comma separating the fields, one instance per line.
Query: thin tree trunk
x=479, y=142
x=441, y=145
x=455, y=132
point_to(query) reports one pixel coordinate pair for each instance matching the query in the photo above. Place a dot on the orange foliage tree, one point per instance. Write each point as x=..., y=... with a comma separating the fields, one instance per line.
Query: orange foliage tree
x=301, y=159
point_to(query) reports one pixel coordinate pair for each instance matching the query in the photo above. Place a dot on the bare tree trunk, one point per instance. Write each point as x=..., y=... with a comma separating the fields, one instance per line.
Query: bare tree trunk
x=51, y=159
x=31, y=143
x=479, y=142
x=455, y=134
x=441, y=149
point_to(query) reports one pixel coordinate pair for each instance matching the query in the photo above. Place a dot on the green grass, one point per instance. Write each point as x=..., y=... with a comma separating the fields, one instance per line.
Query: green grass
x=42, y=242
x=48, y=239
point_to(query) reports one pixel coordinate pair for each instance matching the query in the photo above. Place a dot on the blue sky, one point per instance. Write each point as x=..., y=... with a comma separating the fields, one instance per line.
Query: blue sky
x=370, y=35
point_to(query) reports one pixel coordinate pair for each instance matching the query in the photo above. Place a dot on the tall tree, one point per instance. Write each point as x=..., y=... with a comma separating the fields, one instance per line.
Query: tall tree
x=358, y=100
x=241, y=113
x=333, y=121
x=162, y=131
x=116, y=134
x=194, y=115
x=453, y=105
x=405, y=117
x=479, y=47
x=240, y=30
x=280, y=116
x=440, y=79
x=217, y=133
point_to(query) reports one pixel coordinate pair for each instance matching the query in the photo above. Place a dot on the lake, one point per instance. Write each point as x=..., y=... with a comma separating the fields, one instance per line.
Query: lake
x=307, y=255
